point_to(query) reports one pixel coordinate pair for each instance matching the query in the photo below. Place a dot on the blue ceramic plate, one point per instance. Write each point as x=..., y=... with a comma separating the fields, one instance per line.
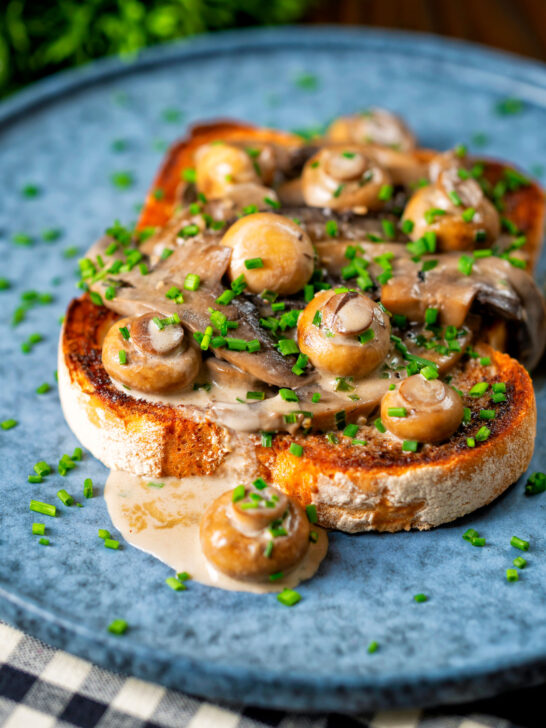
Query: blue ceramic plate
x=477, y=634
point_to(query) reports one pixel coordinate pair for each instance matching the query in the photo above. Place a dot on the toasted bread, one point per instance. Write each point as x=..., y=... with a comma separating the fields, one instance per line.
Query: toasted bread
x=355, y=487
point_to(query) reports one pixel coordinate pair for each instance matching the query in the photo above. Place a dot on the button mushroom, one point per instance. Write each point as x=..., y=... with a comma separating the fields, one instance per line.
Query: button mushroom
x=271, y=252
x=150, y=354
x=376, y=126
x=250, y=533
x=426, y=410
x=343, y=178
x=220, y=166
x=453, y=206
x=344, y=333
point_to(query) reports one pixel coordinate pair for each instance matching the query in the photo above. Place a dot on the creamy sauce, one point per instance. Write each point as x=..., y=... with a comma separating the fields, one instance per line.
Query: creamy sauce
x=164, y=522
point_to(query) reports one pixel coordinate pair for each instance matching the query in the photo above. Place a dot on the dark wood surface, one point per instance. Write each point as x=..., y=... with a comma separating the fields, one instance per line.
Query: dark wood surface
x=518, y=26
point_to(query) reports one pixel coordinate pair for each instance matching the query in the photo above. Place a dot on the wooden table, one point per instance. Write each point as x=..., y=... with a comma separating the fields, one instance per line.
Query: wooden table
x=518, y=26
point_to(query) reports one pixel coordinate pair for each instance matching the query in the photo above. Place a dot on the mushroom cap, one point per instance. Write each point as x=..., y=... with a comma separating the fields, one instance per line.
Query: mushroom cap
x=284, y=248
x=434, y=410
x=219, y=166
x=235, y=539
x=375, y=126
x=334, y=345
x=156, y=360
x=343, y=177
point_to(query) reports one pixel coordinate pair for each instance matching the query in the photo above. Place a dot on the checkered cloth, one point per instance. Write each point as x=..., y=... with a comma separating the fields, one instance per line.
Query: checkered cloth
x=41, y=687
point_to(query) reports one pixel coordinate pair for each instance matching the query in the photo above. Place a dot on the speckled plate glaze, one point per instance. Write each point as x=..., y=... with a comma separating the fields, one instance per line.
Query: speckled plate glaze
x=477, y=634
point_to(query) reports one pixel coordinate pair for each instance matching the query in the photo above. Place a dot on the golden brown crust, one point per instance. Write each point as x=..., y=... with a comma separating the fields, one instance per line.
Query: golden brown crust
x=355, y=487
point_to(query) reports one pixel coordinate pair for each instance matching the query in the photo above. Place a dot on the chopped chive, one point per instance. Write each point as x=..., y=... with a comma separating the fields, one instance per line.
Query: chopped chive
x=420, y=598
x=385, y=193
x=183, y=576
x=372, y=647
x=470, y=442
x=124, y=331
x=111, y=543
x=379, y=425
x=407, y=226
x=429, y=372
x=482, y=434
x=275, y=577
x=49, y=236
x=350, y=430
x=498, y=397
x=287, y=347
x=266, y=439
x=367, y=336
x=43, y=388
x=455, y=199
x=397, y=412
x=268, y=549
x=44, y=541
x=536, y=484
x=388, y=228
x=103, y=533
x=410, y=446
x=251, y=263
x=469, y=534
x=512, y=575
x=431, y=315
x=192, y=282
x=96, y=298
x=312, y=513
x=88, y=488
x=42, y=468
x=296, y=450
x=259, y=484
x=288, y=597
x=487, y=414
x=465, y=264
x=498, y=387
x=478, y=389
x=255, y=395
x=38, y=529
x=123, y=180
x=519, y=562
x=175, y=584
x=45, y=508
x=35, y=479
x=478, y=541
x=288, y=395
x=122, y=356
x=332, y=228
x=65, y=497
x=315, y=397
x=519, y=543
x=253, y=346
x=468, y=214
x=118, y=626
x=238, y=493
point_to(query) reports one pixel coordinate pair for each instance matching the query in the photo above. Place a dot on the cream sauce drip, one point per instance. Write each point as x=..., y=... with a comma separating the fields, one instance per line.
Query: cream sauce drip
x=164, y=522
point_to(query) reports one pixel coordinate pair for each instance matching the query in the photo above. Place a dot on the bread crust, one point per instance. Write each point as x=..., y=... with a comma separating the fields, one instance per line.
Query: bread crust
x=355, y=487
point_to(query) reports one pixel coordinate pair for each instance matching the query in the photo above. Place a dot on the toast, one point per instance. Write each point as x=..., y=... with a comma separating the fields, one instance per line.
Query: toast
x=355, y=487
x=357, y=473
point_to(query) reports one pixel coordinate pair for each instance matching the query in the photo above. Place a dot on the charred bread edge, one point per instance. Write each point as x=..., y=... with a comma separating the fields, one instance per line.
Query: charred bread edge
x=418, y=491
x=525, y=207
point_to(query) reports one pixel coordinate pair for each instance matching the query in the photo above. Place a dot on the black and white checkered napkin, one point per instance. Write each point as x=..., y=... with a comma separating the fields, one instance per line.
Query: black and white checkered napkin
x=41, y=687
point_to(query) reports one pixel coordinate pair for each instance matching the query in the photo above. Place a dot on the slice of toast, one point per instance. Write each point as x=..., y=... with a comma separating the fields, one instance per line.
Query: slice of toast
x=355, y=487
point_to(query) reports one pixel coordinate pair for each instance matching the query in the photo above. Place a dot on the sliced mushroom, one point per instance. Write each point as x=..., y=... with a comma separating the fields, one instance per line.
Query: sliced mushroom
x=425, y=410
x=344, y=333
x=454, y=208
x=343, y=178
x=375, y=126
x=152, y=356
x=254, y=533
x=271, y=252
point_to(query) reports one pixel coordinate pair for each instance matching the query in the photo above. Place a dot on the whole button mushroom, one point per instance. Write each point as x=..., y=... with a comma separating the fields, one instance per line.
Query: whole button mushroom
x=148, y=354
x=250, y=533
x=425, y=410
x=220, y=166
x=271, y=252
x=453, y=206
x=376, y=126
x=346, y=334
x=343, y=178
